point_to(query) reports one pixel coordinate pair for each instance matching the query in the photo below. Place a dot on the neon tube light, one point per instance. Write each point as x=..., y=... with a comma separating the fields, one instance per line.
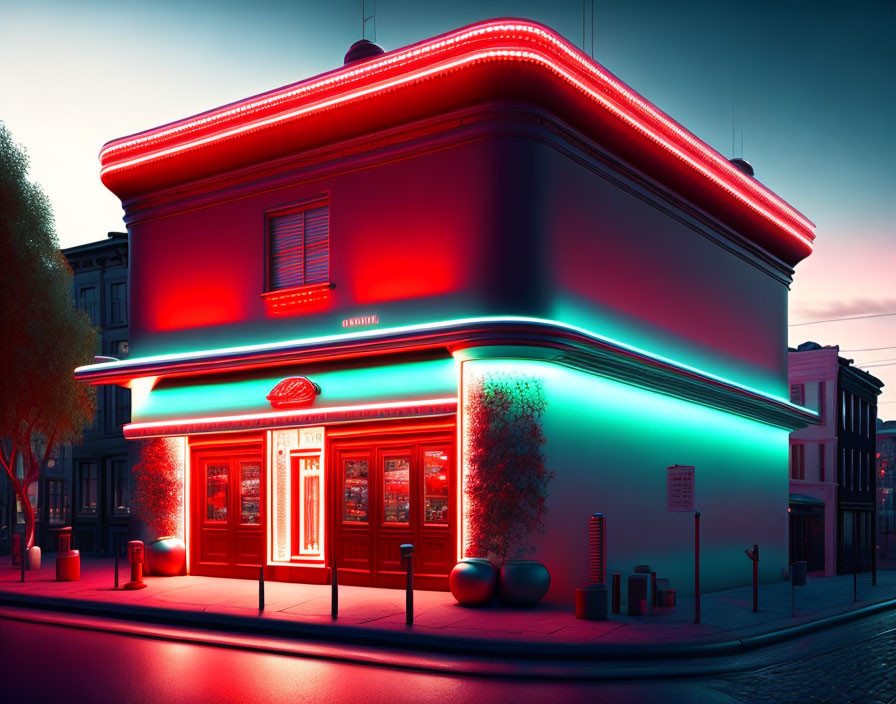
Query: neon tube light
x=291, y=415
x=739, y=182
x=123, y=365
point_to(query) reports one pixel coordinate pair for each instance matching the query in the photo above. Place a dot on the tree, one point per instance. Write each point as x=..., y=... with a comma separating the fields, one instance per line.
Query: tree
x=506, y=482
x=42, y=336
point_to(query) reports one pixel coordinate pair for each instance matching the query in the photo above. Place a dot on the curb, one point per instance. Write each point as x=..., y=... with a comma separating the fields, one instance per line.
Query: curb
x=417, y=643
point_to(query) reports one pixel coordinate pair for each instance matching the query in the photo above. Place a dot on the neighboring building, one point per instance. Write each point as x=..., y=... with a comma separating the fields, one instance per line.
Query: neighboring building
x=886, y=492
x=96, y=493
x=832, y=477
x=319, y=274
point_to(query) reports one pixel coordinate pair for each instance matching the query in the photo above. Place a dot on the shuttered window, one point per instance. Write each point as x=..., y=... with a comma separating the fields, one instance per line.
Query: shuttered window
x=299, y=248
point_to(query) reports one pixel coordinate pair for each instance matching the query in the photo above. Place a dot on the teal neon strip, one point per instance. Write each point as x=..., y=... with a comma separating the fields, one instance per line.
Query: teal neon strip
x=423, y=327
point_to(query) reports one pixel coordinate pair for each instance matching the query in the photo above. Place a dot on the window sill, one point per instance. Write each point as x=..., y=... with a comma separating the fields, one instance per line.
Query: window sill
x=289, y=300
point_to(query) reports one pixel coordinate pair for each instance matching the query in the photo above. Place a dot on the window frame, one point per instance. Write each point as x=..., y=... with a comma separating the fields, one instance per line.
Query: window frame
x=798, y=461
x=269, y=217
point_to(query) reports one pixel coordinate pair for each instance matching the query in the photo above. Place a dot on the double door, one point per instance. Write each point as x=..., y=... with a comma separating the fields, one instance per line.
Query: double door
x=228, y=513
x=390, y=492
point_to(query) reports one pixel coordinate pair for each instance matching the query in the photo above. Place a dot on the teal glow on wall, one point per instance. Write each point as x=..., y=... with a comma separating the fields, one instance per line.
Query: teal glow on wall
x=393, y=382
x=610, y=444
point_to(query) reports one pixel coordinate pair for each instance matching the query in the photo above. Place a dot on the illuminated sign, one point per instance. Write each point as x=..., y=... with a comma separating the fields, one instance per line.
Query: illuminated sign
x=294, y=392
x=360, y=320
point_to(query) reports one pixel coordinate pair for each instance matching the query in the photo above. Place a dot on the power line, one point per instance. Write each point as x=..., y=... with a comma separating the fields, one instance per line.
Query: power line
x=870, y=349
x=848, y=317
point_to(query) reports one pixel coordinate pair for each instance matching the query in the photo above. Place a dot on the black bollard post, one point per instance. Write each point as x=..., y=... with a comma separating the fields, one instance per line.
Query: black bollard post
x=754, y=556
x=261, y=587
x=23, y=552
x=855, y=556
x=697, y=566
x=617, y=592
x=334, y=583
x=407, y=554
x=117, y=548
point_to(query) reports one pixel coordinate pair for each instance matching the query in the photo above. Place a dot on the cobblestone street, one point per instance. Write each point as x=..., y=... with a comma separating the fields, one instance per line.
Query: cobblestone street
x=853, y=663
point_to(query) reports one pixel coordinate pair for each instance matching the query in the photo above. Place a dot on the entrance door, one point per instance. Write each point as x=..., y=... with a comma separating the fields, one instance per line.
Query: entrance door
x=228, y=513
x=389, y=492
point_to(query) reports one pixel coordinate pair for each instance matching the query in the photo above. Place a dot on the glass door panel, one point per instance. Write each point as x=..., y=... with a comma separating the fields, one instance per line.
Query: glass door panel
x=355, y=491
x=309, y=471
x=217, y=479
x=435, y=487
x=397, y=489
x=250, y=493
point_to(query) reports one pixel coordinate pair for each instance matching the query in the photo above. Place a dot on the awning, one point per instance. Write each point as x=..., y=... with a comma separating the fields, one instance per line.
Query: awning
x=806, y=500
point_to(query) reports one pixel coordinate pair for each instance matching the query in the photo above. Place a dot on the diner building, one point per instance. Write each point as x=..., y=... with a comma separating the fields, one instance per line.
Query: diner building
x=320, y=275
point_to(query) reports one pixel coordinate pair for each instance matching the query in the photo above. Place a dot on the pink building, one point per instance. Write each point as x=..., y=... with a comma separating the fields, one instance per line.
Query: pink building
x=832, y=467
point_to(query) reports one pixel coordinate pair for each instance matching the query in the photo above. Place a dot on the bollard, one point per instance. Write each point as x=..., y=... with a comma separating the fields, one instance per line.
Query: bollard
x=334, y=583
x=754, y=556
x=135, y=552
x=23, y=555
x=855, y=556
x=617, y=592
x=696, y=566
x=117, y=548
x=407, y=554
x=261, y=587
x=597, y=549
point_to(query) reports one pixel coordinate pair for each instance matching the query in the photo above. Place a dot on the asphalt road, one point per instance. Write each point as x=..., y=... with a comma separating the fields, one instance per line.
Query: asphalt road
x=42, y=663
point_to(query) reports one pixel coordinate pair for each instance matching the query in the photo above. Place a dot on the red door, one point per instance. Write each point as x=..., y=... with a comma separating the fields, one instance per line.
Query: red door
x=228, y=512
x=391, y=491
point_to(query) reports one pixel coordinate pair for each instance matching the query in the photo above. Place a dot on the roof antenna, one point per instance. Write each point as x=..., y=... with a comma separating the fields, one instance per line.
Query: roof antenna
x=365, y=18
x=733, y=112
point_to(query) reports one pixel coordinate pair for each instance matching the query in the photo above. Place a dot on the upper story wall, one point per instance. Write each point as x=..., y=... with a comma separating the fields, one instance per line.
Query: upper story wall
x=497, y=211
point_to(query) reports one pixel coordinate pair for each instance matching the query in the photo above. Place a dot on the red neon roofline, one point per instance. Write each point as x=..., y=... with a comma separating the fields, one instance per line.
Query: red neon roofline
x=494, y=40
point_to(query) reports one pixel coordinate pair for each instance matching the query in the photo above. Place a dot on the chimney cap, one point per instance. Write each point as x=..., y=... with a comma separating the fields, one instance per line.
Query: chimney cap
x=362, y=49
x=743, y=165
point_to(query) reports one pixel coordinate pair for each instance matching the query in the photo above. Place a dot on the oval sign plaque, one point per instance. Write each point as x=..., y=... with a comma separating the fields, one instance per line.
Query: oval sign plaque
x=293, y=392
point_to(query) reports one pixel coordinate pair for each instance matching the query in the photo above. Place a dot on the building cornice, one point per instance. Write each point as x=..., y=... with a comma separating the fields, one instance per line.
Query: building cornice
x=503, y=59
x=566, y=344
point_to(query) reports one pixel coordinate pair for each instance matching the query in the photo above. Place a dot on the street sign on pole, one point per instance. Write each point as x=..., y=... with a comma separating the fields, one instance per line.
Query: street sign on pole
x=680, y=488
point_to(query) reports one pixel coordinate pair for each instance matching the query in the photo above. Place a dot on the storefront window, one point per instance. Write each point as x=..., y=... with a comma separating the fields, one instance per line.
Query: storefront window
x=435, y=482
x=396, y=489
x=87, y=485
x=56, y=501
x=121, y=487
x=250, y=493
x=217, y=477
x=355, y=497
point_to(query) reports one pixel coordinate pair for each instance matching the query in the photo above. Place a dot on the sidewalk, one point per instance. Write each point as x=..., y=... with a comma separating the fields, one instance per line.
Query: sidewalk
x=376, y=617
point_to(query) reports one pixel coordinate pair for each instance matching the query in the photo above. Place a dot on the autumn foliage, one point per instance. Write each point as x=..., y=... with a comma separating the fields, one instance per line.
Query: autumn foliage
x=43, y=336
x=506, y=483
x=159, y=487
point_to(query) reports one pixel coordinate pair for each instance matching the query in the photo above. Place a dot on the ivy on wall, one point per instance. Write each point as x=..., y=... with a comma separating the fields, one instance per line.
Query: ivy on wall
x=506, y=482
x=158, y=495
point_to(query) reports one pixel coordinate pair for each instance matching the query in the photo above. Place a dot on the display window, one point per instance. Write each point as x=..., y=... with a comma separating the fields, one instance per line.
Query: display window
x=435, y=487
x=397, y=489
x=250, y=493
x=216, y=482
x=355, y=491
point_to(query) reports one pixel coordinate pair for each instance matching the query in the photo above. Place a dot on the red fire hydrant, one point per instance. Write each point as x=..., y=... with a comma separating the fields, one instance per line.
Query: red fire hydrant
x=135, y=557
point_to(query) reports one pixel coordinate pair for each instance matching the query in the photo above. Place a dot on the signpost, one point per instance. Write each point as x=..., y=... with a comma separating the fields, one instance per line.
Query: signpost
x=680, y=498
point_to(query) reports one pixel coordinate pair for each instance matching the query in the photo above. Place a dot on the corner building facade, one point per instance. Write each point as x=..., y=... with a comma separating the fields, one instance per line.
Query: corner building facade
x=356, y=248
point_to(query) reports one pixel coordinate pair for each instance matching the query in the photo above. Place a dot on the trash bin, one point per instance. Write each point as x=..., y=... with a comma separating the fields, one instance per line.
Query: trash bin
x=798, y=573
x=638, y=585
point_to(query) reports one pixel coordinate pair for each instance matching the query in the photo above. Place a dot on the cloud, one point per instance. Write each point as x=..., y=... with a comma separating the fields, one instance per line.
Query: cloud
x=844, y=308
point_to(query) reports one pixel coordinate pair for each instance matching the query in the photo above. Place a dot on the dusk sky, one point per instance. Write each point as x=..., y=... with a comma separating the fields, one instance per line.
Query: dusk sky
x=809, y=86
